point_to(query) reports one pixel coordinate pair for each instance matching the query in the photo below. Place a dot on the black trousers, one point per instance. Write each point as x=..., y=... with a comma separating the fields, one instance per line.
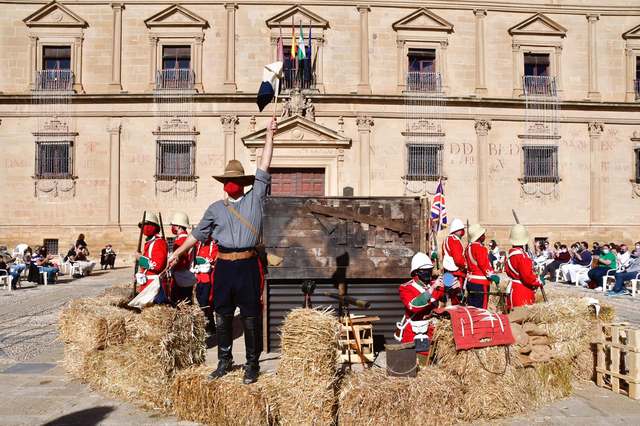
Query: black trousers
x=182, y=294
x=478, y=295
x=237, y=284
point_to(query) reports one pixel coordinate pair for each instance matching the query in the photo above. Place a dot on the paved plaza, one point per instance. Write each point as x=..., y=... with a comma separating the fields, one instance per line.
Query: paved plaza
x=36, y=390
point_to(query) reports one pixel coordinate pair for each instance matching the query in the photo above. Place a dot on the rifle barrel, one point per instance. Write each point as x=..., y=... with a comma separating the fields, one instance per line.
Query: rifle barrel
x=360, y=303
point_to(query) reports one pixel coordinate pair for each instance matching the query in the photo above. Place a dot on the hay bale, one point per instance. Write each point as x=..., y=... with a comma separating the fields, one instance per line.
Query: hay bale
x=220, y=402
x=119, y=295
x=305, y=385
x=372, y=397
x=93, y=326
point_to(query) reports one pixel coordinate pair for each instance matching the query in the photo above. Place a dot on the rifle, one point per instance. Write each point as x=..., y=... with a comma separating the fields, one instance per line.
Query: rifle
x=136, y=265
x=348, y=300
x=168, y=289
x=544, y=294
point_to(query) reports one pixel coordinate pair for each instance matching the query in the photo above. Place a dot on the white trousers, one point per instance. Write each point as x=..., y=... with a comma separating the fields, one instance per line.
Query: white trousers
x=570, y=271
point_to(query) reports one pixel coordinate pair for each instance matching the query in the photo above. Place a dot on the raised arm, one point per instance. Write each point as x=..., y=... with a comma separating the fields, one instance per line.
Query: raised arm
x=188, y=243
x=267, y=151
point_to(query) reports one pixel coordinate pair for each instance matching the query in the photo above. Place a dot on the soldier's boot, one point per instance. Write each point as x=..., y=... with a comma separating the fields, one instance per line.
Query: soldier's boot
x=224, y=325
x=253, y=346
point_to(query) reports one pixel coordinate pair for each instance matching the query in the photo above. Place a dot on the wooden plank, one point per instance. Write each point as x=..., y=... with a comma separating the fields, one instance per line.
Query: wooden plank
x=633, y=363
x=371, y=236
x=600, y=358
x=615, y=359
x=347, y=213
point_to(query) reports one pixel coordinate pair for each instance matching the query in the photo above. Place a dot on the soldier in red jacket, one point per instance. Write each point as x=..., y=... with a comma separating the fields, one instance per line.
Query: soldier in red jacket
x=153, y=260
x=480, y=272
x=206, y=254
x=519, y=268
x=454, y=262
x=419, y=296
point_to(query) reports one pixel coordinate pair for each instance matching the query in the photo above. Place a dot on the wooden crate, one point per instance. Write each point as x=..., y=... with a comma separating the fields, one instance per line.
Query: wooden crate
x=618, y=359
x=356, y=334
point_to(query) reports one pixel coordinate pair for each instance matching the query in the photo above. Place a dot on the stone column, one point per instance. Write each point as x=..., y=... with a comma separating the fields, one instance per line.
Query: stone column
x=114, y=129
x=197, y=63
x=33, y=60
x=594, y=93
x=481, y=84
x=364, y=124
x=558, y=69
x=230, y=49
x=482, y=127
x=596, y=129
x=77, y=65
x=401, y=65
x=116, y=48
x=443, y=66
x=517, y=69
x=363, y=87
x=630, y=75
x=153, y=62
x=229, y=123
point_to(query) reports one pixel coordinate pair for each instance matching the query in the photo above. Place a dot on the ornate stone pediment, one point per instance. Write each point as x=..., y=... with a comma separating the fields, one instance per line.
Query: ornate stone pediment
x=538, y=24
x=423, y=20
x=633, y=33
x=54, y=15
x=176, y=16
x=297, y=131
x=299, y=15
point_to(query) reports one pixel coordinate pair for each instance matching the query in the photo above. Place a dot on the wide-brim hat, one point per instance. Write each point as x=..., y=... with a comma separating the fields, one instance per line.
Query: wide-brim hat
x=475, y=232
x=234, y=171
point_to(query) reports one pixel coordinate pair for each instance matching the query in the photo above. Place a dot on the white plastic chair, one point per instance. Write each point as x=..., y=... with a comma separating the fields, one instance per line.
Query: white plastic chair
x=5, y=279
x=634, y=285
x=559, y=273
x=608, y=277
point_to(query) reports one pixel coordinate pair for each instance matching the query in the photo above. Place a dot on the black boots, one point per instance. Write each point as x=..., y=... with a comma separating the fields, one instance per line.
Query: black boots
x=224, y=325
x=253, y=344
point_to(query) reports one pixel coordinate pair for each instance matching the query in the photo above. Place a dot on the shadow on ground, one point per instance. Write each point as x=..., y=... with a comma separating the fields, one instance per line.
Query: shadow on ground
x=88, y=417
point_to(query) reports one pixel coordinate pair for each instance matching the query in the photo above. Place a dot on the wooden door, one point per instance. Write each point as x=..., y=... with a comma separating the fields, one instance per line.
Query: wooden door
x=297, y=182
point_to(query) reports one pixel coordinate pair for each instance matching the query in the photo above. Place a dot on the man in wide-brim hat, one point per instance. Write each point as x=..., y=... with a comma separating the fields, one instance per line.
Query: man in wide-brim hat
x=235, y=224
x=480, y=272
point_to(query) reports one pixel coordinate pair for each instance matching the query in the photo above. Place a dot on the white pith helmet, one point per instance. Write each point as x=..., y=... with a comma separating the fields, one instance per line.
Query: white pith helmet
x=180, y=219
x=456, y=225
x=420, y=261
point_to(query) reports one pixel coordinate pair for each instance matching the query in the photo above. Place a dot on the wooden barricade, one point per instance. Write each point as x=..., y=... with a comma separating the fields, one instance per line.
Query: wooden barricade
x=618, y=359
x=356, y=339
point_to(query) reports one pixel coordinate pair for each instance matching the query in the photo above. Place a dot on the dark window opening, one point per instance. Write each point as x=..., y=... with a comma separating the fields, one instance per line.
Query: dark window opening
x=175, y=159
x=52, y=245
x=56, y=57
x=540, y=163
x=53, y=159
x=636, y=82
x=536, y=64
x=424, y=161
x=298, y=73
x=637, y=157
x=176, y=57
x=421, y=71
x=422, y=60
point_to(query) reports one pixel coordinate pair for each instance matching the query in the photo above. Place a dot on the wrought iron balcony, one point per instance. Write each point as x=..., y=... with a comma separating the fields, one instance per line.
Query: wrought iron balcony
x=58, y=80
x=540, y=86
x=175, y=79
x=303, y=78
x=424, y=82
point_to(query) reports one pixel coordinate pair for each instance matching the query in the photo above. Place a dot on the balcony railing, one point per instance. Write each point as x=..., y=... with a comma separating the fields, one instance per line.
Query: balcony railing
x=636, y=85
x=539, y=85
x=54, y=80
x=175, y=79
x=425, y=82
x=303, y=78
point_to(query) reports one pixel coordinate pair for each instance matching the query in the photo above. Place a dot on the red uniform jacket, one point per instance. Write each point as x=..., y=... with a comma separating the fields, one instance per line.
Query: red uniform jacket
x=417, y=308
x=209, y=253
x=154, y=257
x=479, y=267
x=524, y=281
x=452, y=247
x=185, y=260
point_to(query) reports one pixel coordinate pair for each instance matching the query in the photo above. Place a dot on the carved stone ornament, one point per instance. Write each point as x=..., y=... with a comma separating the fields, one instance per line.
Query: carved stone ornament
x=48, y=189
x=364, y=122
x=596, y=128
x=252, y=124
x=298, y=104
x=482, y=127
x=175, y=188
x=424, y=126
x=55, y=126
x=229, y=122
x=341, y=124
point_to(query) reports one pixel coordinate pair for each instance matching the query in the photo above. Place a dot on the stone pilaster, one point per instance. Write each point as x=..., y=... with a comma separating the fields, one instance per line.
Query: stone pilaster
x=364, y=87
x=229, y=123
x=483, y=127
x=594, y=93
x=517, y=69
x=116, y=48
x=230, y=48
x=595, y=178
x=197, y=63
x=114, y=129
x=481, y=69
x=153, y=61
x=77, y=65
x=364, y=124
x=33, y=60
x=630, y=67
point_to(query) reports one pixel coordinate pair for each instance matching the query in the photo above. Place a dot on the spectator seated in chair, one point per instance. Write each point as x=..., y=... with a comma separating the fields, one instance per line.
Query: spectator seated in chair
x=107, y=257
x=606, y=261
x=580, y=261
x=86, y=266
x=560, y=257
x=623, y=258
x=495, y=257
x=42, y=260
x=632, y=272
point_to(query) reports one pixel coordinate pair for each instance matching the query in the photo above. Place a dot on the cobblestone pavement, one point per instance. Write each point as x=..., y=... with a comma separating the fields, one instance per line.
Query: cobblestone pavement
x=36, y=390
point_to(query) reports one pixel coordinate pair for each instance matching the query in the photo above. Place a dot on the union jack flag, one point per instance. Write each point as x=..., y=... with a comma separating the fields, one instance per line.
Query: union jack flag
x=438, y=209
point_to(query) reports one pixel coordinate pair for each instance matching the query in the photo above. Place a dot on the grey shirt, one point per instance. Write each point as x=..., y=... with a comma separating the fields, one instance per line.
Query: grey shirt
x=225, y=228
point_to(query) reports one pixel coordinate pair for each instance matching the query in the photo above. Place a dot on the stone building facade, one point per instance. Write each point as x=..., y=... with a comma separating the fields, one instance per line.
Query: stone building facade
x=535, y=110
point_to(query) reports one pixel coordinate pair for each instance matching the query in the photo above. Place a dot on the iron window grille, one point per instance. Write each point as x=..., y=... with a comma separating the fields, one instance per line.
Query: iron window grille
x=540, y=163
x=54, y=160
x=424, y=161
x=175, y=159
x=298, y=73
x=56, y=74
x=52, y=245
x=637, y=158
x=424, y=82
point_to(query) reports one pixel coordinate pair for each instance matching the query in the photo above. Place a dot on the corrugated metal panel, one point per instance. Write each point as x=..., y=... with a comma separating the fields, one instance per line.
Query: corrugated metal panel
x=284, y=295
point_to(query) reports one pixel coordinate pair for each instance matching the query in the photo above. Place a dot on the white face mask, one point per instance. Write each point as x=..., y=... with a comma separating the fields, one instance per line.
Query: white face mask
x=605, y=251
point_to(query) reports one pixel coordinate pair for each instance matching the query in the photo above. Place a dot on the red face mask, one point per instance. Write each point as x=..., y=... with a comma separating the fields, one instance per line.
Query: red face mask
x=149, y=230
x=233, y=189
